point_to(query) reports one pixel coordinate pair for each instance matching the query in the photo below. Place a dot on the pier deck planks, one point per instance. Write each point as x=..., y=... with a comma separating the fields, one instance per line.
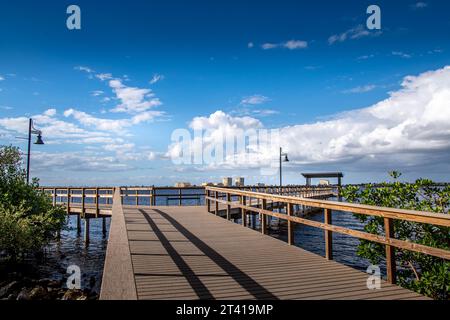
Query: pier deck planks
x=187, y=253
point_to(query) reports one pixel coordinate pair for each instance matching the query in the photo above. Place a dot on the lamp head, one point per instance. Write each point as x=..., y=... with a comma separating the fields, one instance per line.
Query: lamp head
x=286, y=158
x=39, y=140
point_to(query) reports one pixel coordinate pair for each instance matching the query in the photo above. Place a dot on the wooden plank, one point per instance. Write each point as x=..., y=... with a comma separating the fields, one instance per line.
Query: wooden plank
x=118, y=275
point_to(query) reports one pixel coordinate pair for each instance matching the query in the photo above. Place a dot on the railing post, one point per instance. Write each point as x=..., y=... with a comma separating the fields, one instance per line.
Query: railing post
x=82, y=202
x=68, y=201
x=328, y=236
x=97, y=197
x=208, y=202
x=179, y=200
x=290, y=225
x=263, y=217
x=243, y=211
x=216, y=204
x=390, y=251
x=54, y=196
x=228, y=206
x=137, y=197
x=153, y=197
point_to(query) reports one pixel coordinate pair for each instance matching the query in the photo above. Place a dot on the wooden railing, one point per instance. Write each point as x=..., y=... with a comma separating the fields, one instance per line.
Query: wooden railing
x=214, y=195
x=83, y=201
x=195, y=194
x=98, y=200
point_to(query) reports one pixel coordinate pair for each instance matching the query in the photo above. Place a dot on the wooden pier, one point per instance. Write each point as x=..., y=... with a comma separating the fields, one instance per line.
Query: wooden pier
x=191, y=252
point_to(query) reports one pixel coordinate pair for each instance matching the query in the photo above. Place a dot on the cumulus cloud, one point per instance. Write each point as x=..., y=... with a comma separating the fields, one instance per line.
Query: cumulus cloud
x=133, y=100
x=354, y=33
x=408, y=128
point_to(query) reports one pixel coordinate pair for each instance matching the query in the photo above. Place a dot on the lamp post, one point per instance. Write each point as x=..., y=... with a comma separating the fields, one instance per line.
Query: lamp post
x=32, y=130
x=285, y=155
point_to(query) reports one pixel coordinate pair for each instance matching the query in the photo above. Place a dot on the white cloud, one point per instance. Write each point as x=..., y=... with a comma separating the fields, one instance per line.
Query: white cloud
x=295, y=44
x=97, y=93
x=250, y=45
x=365, y=57
x=361, y=89
x=254, y=100
x=156, y=78
x=134, y=100
x=401, y=54
x=84, y=69
x=104, y=76
x=355, y=33
x=2, y=78
x=407, y=129
x=291, y=45
x=419, y=5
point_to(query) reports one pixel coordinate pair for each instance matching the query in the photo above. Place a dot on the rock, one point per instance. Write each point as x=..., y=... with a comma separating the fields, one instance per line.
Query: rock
x=11, y=297
x=54, y=284
x=5, y=290
x=23, y=295
x=72, y=294
x=43, y=282
x=38, y=293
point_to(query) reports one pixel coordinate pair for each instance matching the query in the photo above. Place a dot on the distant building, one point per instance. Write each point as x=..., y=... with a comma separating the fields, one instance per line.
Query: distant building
x=239, y=182
x=182, y=185
x=207, y=184
x=324, y=182
x=220, y=184
x=260, y=184
x=227, y=182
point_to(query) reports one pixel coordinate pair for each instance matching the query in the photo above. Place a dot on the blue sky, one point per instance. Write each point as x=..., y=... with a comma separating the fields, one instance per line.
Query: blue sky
x=282, y=63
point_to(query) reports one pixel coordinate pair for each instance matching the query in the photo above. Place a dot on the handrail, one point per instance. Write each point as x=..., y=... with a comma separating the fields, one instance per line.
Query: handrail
x=389, y=214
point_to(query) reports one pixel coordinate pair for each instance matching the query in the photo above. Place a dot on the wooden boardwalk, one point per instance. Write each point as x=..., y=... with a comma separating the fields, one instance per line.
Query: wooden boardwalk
x=187, y=253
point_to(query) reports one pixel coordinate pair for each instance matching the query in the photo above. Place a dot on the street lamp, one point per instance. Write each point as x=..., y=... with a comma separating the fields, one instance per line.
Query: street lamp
x=32, y=130
x=285, y=155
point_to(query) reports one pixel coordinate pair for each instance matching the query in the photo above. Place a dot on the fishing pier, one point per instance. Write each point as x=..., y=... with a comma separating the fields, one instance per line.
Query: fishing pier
x=213, y=243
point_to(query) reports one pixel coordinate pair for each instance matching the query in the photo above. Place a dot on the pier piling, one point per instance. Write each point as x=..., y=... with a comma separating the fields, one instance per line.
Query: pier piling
x=86, y=231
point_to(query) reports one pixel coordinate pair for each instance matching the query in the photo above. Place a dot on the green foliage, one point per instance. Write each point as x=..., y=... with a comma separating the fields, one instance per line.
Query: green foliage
x=28, y=221
x=423, y=273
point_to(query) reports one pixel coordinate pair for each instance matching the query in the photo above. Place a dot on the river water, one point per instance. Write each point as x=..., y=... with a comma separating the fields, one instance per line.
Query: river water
x=71, y=248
